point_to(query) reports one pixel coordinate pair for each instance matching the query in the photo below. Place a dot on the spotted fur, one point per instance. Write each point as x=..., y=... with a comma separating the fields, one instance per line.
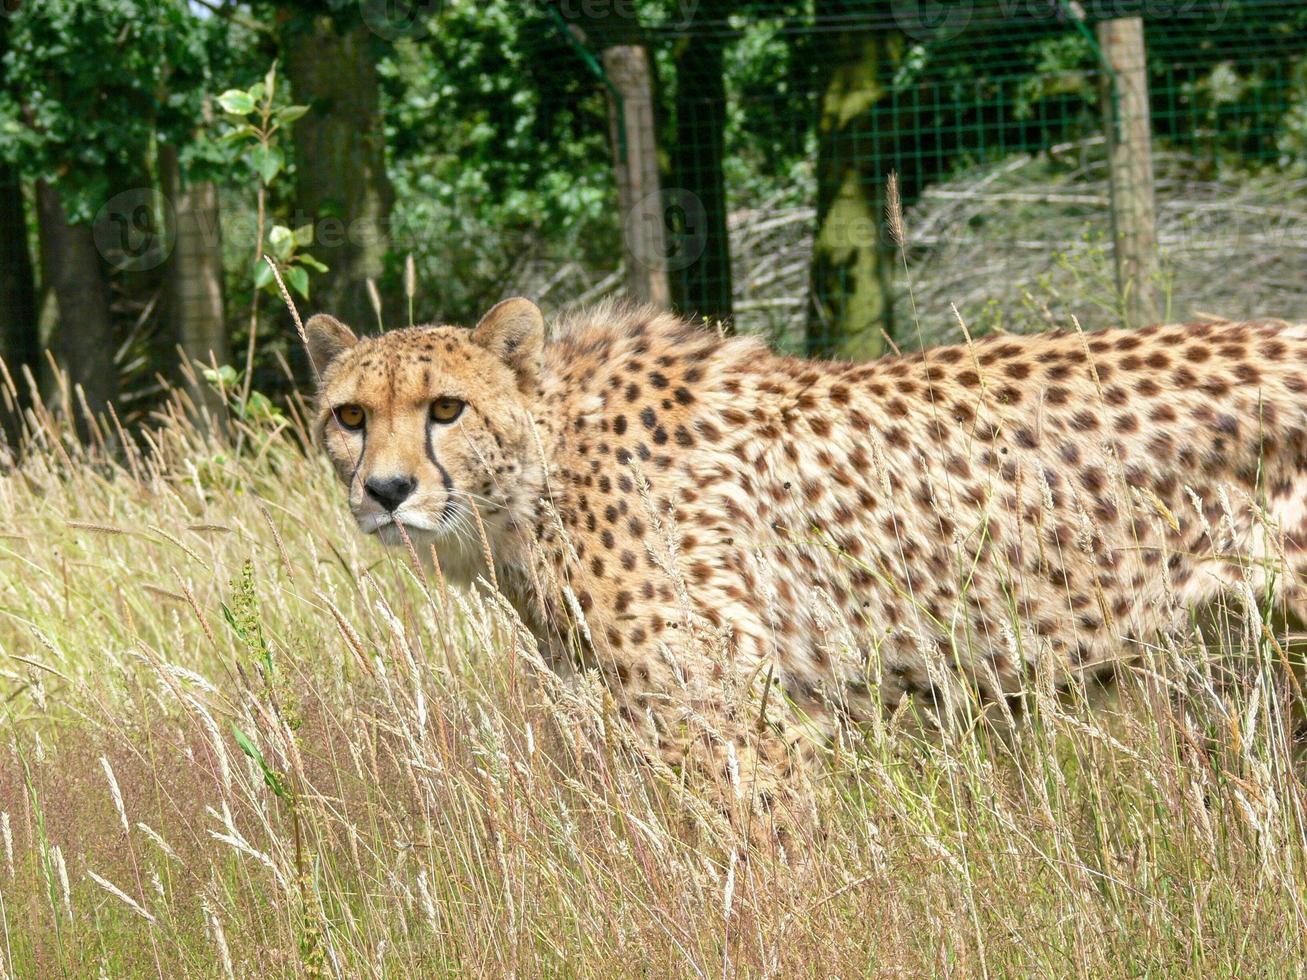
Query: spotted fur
x=703, y=518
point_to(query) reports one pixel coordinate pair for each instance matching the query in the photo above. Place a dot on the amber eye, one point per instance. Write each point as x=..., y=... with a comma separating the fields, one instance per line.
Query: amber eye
x=445, y=410
x=350, y=416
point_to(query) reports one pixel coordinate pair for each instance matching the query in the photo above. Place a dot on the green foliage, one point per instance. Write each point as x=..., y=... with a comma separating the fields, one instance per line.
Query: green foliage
x=259, y=412
x=257, y=118
x=88, y=87
x=223, y=379
x=271, y=777
x=242, y=615
x=498, y=149
x=496, y=127
x=774, y=74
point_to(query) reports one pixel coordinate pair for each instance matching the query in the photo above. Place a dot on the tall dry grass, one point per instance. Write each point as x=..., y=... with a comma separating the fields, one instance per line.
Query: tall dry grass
x=430, y=801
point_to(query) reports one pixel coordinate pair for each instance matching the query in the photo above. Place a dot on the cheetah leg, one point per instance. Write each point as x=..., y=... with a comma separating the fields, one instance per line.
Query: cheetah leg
x=1279, y=552
x=762, y=773
x=758, y=773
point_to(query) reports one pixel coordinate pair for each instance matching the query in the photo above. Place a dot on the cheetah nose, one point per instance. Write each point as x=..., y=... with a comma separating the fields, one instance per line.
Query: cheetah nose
x=390, y=491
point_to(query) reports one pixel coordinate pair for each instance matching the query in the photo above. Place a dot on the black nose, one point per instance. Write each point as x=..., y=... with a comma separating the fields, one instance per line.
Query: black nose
x=390, y=491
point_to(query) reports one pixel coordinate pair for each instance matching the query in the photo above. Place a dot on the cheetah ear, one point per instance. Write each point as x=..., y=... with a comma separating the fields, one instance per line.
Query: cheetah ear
x=327, y=339
x=514, y=331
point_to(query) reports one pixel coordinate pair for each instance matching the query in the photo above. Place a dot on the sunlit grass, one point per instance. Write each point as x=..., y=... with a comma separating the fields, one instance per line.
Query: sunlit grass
x=461, y=811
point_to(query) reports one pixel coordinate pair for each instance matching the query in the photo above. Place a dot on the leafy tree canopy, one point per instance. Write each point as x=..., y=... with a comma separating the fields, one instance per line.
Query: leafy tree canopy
x=89, y=87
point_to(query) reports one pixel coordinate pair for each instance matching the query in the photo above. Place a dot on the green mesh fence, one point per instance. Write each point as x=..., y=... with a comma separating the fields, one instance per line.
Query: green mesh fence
x=1020, y=169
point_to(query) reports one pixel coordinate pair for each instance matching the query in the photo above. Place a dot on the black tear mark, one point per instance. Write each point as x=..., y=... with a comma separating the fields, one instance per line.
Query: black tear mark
x=445, y=478
x=359, y=461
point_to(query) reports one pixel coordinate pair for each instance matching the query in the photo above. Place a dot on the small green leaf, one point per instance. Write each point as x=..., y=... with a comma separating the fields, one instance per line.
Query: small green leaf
x=281, y=242
x=268, y=161
x=250, y=749
x=291, y=113
x=303, y=258
x=304, y=236
x=256, y=92
x=236, y=102
x=258, y=405
x=246, y=746
x=240, y=132
x=262, y=275
x=297, y=278
x=225, y=377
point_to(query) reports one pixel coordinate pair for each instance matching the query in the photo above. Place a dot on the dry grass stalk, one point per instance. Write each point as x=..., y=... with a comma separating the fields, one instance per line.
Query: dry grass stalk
x=465, y=810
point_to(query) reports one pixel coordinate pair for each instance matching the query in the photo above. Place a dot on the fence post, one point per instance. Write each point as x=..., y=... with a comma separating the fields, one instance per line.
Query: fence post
x=635, y=150
x=1130, y=159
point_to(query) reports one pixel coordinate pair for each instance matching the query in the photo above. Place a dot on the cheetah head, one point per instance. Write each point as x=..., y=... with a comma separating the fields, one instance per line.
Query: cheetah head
x=429, y=428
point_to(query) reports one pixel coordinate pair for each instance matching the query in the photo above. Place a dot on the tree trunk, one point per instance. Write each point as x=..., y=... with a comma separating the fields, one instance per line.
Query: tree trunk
x=19, y=335
x=340, y=160
x=195, y=302
x=197, y=277
x=635, y=154
x=19, y=339
x=70, y=264
x=850, y=309
x=699, y=248
x=1130, y=157
x=643, y=210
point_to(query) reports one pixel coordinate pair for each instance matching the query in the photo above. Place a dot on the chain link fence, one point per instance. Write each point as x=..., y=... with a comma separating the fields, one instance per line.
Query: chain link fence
x=1115, y=161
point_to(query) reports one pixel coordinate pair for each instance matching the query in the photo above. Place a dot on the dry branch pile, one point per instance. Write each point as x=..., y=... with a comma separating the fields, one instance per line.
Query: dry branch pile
x=1028, y=243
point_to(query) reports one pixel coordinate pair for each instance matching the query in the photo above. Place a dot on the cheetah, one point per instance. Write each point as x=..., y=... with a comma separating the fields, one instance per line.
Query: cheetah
x=754, y=549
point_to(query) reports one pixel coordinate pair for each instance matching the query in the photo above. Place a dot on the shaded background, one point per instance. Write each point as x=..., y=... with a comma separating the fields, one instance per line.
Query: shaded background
x=470, y=149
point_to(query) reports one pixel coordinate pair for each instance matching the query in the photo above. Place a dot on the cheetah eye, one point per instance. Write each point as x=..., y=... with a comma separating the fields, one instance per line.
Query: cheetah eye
x=351, y=417
x=445, y=410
